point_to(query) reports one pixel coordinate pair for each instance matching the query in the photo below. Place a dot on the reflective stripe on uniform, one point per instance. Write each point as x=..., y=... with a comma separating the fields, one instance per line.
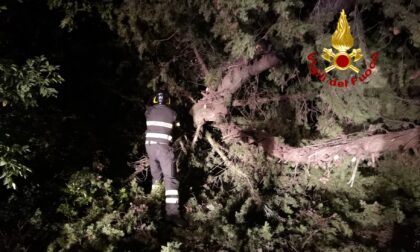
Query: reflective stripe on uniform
x=171, y=200
x=153, y=142
x=159, y=135
x=171, y=192
x=159, y=123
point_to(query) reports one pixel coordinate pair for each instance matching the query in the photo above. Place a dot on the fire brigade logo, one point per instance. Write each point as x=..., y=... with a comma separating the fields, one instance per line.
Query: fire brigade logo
x=342, y=41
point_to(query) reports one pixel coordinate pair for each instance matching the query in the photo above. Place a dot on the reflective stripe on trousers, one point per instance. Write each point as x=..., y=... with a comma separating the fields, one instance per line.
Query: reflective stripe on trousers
x=159, y=124
x=161, y=161
x=159, y=136
x=171, y=196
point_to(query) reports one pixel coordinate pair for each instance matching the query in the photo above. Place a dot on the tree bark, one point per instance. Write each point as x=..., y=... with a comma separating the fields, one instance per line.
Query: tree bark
x=361, y=147
x=264, y=100
x=213, y=107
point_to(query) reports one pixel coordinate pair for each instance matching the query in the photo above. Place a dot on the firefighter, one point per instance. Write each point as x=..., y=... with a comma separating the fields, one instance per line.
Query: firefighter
x=160, y=119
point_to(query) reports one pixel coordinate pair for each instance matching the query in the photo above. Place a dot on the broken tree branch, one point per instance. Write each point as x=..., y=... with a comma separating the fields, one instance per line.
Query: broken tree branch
x=139, y=166
x=200, y=60
x=212, y=107
x=196, y=135
x=236, y=76
x=353, y=175
x=229, y=164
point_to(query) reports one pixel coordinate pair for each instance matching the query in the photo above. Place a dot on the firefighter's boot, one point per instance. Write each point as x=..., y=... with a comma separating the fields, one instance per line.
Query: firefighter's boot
x=173, y=216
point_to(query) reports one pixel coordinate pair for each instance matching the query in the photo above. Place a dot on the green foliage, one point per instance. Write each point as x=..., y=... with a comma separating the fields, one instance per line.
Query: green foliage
x=74, y=8
x=328, y=127
x=368, y=102
x=27, y=83
x=289, y=208
x=22, y=87
x=384, y=95
x=10, y=166
x=100, y=216
x=213, y=78
x=251, y=203
x=171, y=247
x=404, y=14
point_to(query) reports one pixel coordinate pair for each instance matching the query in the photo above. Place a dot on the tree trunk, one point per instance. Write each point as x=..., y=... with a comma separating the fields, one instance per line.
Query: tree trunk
x=364, y=147
x=361, y=147
x=213, y=107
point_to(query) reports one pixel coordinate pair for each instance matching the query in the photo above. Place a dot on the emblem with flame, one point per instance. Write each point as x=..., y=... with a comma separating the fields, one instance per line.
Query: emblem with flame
x=342, y=41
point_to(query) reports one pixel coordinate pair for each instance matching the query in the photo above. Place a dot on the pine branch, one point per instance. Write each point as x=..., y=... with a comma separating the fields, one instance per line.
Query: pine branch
x=323, y=7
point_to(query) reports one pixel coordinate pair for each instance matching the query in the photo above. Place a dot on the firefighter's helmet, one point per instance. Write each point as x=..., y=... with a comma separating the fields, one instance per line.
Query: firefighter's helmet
x=162, y=98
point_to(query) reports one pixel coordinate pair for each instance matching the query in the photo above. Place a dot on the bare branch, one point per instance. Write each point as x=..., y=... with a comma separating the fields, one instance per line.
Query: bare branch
x=165, y=39
x=197, y=135
x=200, y=60
x=139, y=166
x=229, y=164
x=353, y=175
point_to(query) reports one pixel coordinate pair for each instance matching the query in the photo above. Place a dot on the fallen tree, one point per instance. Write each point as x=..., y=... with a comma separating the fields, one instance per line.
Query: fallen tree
x=214, y=106
x=363, y=146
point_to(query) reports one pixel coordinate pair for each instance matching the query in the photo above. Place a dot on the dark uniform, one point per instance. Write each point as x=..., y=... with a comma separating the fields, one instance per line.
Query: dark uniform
x=159, y=120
